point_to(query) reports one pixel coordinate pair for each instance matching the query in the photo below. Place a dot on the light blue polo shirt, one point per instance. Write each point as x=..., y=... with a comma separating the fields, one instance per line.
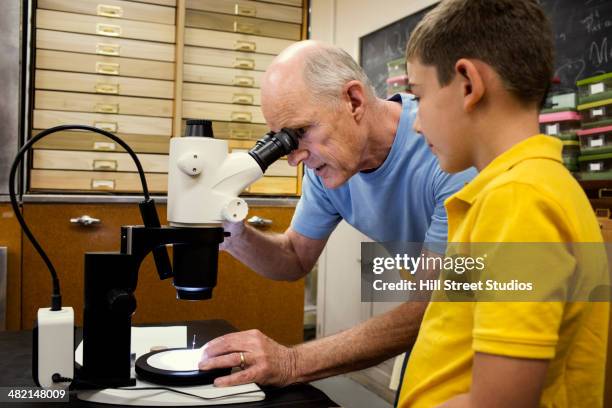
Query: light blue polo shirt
x=402, y=200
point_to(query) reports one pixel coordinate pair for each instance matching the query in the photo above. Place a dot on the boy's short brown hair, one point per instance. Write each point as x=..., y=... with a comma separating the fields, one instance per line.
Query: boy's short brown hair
x=512, y=36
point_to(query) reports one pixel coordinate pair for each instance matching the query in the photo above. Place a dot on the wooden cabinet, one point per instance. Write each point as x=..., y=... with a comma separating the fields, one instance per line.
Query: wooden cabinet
x=139, y=69
x=241, y=296
x=10, y=237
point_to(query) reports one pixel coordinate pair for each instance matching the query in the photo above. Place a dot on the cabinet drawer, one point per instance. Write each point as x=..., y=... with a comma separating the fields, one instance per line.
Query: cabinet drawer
x=228, y=59
x=95, y=44
x=274, y=185
x=103, y=84
x=97, y=161
x=234, y=41
x=246, y=132
x=79, y=102
x=222, y=94
x=128, y=10
x=89, y=141
x=222, y=111
x=141, y=125
x=243, y=25
x=105, y=26
x=249, y=9
x=95, y=181
x=221, y=76
x=99, y=64
x=295, y=3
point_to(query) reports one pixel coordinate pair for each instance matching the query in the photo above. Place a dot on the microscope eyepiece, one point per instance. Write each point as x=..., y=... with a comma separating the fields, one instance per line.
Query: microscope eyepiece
x=199, y=128
x=273, y=146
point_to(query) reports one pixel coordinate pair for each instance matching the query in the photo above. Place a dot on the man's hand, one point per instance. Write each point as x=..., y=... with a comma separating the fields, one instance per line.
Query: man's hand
x=235, y=229
x=265, y=361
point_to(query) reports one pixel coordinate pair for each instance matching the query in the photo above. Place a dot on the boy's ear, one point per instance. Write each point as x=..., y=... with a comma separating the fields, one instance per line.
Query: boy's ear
x=471, y=82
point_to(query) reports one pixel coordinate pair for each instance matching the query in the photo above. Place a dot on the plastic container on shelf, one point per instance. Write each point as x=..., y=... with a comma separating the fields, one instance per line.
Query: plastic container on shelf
x=397, y=84
x=396, y=67
x=559, y=102
x=595, y=88
x=560, y=124
x=596, y=114
x=596, y=166
x=596, y=140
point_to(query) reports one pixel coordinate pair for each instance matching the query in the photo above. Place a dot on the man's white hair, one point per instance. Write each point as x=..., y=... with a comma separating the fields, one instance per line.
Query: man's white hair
x=327, y=69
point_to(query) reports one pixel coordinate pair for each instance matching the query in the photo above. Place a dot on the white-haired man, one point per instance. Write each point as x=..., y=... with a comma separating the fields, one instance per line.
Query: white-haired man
x=364, y=164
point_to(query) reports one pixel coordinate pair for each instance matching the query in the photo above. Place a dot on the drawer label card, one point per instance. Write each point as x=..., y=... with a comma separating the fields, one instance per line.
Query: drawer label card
x=597, y=88
x=597, y=112
x=109, y=30
x=108, y=126
x=108, y=49
x=242, y=10
x=105, y=146
x=597, y=141
x=106, y=108
x=109, y=11
x=107, y=88
x=244, y=63
x=552, y=129
x=597, y=166
x=97, y=184
x=108, y=68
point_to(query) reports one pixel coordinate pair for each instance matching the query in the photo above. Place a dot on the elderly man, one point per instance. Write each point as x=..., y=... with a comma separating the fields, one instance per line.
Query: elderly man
x=364, y=164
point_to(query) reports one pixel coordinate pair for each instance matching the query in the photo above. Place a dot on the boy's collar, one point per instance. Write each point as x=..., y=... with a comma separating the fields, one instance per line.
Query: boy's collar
x=534, y=147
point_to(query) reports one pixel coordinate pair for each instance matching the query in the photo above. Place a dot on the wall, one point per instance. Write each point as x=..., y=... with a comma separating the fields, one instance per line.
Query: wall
x=342, y=22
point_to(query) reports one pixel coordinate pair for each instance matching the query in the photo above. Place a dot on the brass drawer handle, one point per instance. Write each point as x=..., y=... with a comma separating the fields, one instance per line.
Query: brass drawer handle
x=244, y=63
x=106, y=108
x=109, y=11
x=107, y=88
x=244, y=99
x=108, y=68
x=242, y=10
x=242, y=45
x=241, y=116
x=259, y=222
x=104, y=146
x=244, y=28
x=108, y=126
x=109, y=30
x=243, y=80
x=99, y=184
x=85, y=220
x=240, y=134
x=105, y=165
x=108, y=49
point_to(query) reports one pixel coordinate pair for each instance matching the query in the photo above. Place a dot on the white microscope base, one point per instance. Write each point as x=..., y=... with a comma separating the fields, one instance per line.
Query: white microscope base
x=168, y=398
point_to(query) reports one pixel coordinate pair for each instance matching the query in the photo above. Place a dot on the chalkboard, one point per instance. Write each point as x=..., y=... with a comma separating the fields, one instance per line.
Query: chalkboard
x=384, y=45
x=583, y=38
x=583, y=41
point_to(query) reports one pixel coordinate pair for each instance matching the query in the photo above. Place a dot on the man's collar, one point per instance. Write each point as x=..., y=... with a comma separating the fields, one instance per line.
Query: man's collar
x=534, y=147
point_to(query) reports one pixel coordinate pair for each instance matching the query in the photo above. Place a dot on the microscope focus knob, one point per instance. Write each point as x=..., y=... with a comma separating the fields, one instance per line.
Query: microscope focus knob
x=121, y=302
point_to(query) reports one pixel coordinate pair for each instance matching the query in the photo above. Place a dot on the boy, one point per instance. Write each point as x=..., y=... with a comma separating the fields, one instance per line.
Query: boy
x=480, y=69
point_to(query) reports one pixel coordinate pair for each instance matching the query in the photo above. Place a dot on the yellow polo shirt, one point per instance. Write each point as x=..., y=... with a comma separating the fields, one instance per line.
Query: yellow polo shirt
x=523, y=195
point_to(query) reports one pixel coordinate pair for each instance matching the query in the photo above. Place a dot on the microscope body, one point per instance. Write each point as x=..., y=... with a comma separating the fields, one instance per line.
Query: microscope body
x=204, y=182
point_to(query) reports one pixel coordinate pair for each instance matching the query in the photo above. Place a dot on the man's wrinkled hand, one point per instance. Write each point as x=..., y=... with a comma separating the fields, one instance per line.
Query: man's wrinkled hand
x=235, y=229
x=265, y=362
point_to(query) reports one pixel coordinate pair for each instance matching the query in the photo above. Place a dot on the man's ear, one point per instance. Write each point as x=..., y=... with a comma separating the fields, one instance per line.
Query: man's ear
x=472, y=83
x=354, y=98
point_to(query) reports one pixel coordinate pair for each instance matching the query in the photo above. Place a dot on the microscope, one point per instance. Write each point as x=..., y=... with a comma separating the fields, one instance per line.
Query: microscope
x=204, y=182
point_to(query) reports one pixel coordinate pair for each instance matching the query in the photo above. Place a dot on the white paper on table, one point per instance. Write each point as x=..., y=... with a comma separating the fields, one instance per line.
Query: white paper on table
x=143, y=338
x=222, y=395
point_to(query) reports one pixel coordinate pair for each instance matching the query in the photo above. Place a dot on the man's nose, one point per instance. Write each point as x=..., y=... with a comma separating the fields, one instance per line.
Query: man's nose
x=417, y=125
x=297, y=156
